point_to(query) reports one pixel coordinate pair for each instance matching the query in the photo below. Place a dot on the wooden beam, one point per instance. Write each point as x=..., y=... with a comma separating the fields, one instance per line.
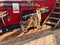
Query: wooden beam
x=4, y=36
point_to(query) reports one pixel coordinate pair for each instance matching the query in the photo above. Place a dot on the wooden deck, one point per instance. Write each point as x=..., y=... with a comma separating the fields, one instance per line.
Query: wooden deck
x=44, y=36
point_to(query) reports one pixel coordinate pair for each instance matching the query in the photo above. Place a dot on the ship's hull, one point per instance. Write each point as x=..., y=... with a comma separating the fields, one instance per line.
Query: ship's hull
x=16, y=17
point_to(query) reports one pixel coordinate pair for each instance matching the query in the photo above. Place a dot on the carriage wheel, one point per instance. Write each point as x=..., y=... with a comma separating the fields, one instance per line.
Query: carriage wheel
x=24, y=29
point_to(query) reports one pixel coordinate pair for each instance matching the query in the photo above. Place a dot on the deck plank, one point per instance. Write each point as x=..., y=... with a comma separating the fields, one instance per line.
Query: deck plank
x=4, y=36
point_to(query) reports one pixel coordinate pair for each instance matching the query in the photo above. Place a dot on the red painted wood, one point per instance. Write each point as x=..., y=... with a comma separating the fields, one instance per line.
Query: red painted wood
x=15, y=18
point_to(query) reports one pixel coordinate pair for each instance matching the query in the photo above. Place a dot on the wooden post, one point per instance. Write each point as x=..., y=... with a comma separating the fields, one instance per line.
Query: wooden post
x=38, y=13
